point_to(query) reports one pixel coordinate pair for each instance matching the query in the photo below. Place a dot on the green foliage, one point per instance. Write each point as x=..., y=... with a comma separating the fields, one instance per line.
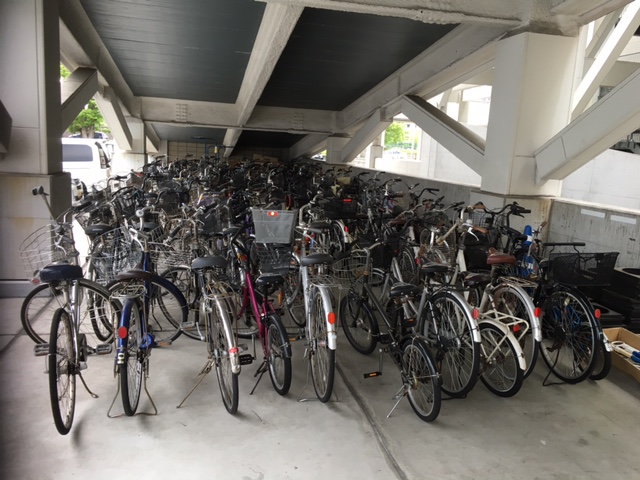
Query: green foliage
x=89, y=119
x=394, y=135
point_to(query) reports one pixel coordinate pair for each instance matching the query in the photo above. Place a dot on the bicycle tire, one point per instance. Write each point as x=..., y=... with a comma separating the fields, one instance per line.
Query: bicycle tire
x=294, y=298
x=407, y=265
x=501, y=374
x=602, y=366
x=62, y=365
x=570, y=340
x=182, y=278
x=132, y=369
x=168, y=309
x=96, y=310
x=358, y=323
x=449, y=334
x=510, y=301
x=321, y=357
x=279, y=351
x=219, y=347
x=421, y=376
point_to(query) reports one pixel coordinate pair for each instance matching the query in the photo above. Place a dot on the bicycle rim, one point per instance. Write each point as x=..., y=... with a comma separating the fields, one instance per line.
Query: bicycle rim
x=423, y=387
x=570, y=342
x=501, y=372
x=279, y=356
x=62, y=370
x=322, y=358
x=219, y=348
x=358, y=324
x=131, y=371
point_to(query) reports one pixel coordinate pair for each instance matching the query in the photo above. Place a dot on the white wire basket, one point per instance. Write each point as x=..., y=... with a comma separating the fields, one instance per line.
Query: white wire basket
x=274, y=226
x=52, y=243
x=348, y=270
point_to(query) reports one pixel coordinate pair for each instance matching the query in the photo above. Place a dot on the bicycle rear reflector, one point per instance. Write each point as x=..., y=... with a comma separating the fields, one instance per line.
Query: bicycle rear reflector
x=597, y=313
x=122, y=332
x=537, y=312
x=476, y=313
x=272, y=213
x=332, y=318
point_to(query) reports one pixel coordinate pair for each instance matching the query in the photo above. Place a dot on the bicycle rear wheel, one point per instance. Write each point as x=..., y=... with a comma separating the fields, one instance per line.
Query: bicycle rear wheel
x=501, y=372
x=294, y=299
x=510, y=301
x=448, y=329
x=322, y=358
x=96, y=309
x=219, y=348
x=279, y=350
x=62, y=371
x=131, y=369
x=420, y=373
x=358, y=323
x=570, y=341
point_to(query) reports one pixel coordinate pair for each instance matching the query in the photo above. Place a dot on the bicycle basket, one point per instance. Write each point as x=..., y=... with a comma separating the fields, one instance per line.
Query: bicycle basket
x=273, y=258
x=345, y=208
x=111, y=255
x=582, y=269
x=48, y=244
x=274, y=226
x=346, y=271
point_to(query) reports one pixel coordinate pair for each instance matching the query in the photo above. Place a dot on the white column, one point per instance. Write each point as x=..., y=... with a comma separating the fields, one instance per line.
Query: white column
x=530, y=103
x=30, y=91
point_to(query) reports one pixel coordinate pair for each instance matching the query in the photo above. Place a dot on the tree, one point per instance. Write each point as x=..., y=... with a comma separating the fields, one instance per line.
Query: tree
x=89, y=119
x=394, y=135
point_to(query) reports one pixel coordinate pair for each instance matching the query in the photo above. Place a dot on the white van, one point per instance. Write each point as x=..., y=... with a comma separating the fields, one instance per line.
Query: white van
x=85, y=159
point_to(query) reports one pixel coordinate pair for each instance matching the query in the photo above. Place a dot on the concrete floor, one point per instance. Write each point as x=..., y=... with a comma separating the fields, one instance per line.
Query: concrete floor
x=565, y=432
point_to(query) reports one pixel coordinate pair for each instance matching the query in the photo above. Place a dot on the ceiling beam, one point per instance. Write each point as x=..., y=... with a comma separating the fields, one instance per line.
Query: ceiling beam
x=585, y=11
x=463, y=53
x=114, y=118
x=75, y=92
x=277, y=24
x=81, y=43
x=606, y=58
x=309, y=145
x=428, y=11
x=152, y=138
x=611, y=118
x=459, y=140
x=374, y=126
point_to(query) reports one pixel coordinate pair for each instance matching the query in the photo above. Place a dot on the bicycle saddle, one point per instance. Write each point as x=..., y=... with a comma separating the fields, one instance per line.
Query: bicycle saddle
x=402, y=289
x=215, y=261
x=315, y=259
x=57, y=273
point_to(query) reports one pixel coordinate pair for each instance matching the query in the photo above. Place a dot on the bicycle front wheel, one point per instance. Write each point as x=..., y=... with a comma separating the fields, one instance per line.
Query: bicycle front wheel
x=570, y=340
x=322, y=358
x=448, y=329
x=279, y=351
x=94, y=304
x=501, y=372
x=421, y=376
x=62, y=371
x=220, y=347
x=132, y=368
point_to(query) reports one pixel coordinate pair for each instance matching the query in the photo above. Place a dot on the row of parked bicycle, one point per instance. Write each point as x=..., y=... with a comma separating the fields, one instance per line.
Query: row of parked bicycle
x=248, y=259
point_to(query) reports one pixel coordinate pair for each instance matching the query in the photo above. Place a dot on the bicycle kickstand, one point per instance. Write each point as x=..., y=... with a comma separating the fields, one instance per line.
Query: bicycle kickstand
x=261, y=371
x=203, y=373
x=93, y=395
x=398, y=397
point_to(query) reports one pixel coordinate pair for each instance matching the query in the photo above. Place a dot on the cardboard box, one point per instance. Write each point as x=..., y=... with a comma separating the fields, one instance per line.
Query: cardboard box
x=619, y=361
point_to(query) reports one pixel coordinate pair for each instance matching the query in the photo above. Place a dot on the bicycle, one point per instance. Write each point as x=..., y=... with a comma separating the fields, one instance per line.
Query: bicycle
x=139, y=290
x=311, y=280
x=54, y=243
x=574, y=346
x=408, y=350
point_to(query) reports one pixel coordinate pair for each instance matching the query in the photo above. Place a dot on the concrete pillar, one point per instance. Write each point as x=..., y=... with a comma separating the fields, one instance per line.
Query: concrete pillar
x=530, y=103
x=30, y=91
x=334, y=149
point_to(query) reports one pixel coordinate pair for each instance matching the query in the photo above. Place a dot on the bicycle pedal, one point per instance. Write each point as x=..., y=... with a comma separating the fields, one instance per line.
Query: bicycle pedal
x=384, y=338
x=372, y=374
x=162, y=343
x=103, y=349
x=187, y=325
x=246, y=359
x=41, y=349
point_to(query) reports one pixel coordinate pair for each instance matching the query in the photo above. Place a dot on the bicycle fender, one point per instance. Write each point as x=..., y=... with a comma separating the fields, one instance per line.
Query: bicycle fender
x=475, y=330
x=332, y=335
x=520, y=354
